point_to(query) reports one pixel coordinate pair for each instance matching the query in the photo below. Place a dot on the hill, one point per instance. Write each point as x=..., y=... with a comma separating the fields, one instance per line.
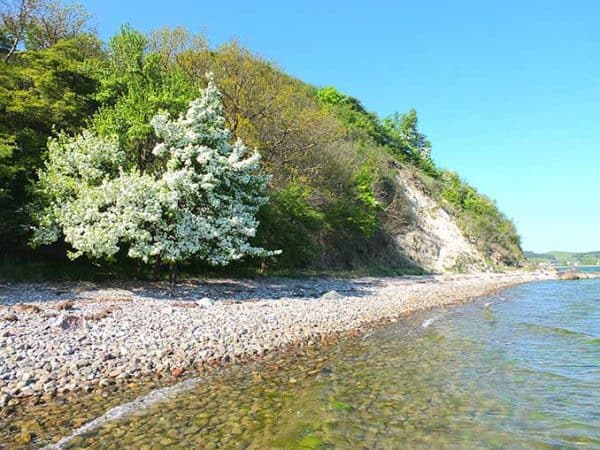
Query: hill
x=565, y=258
x=348, y=190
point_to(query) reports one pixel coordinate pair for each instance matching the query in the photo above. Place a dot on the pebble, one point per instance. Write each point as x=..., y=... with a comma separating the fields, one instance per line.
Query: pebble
x=4, y=399
x=9, y=317
x=204, y=302
x=331, y=295
x=148, y=332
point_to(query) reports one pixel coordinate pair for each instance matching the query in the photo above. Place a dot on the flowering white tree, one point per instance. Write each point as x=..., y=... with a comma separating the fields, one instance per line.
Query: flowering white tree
x=201, y=204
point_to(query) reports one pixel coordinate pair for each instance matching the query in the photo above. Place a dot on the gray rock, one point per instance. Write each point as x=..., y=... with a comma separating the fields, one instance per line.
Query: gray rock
x=107, y=356
x=50, y=386
x=331, y=295
x=27, y=377
x=67, y=321
x=4, y=399
x=59, y=322
x=55, y=364
x=205, y=302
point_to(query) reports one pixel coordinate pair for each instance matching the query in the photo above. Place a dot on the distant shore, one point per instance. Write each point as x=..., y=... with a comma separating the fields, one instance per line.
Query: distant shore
x=582, y=266
x=69, y=337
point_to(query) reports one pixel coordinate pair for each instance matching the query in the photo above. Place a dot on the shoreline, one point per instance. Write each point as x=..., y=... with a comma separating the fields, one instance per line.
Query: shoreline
x=80, y=337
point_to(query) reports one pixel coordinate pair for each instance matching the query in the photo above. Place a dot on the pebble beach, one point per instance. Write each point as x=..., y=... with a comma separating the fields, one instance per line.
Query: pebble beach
x=59, y=338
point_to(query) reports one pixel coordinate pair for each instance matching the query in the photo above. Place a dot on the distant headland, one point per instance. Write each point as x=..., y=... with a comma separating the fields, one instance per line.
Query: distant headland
x=560, y=258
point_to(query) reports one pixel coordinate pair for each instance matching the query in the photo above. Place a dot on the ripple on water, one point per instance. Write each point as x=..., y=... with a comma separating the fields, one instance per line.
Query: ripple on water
x=544, y=330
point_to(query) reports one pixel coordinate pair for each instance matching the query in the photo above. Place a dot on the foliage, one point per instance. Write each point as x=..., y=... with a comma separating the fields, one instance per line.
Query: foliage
x=331, y=96
x=359, y=214
x=290, y=222
x=54, y=21
x=40, y=91
x=404, y=136
x=16, y=17
x=358, y=122
x=134, y=87
x=364, y=187
x=272, y=111
x=202, y=205
x=565, y=258
x=399, y=134
x=39, y=24
x=215, y=187
x=119, y=179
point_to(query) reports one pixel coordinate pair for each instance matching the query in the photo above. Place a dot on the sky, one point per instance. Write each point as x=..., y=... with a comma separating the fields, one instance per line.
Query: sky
x=508, y=92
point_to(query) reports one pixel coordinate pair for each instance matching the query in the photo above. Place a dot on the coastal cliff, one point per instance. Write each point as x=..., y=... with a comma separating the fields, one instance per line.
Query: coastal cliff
x=434, y=241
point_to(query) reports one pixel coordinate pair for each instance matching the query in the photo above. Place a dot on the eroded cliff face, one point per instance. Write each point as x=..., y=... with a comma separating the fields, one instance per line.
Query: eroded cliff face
x=433, y=240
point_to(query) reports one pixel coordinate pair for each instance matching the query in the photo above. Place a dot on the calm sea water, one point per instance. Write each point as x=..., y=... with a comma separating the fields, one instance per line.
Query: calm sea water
x=517, y=370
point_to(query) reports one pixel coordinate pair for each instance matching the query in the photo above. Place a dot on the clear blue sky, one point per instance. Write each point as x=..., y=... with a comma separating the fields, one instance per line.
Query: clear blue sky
x=508, y=92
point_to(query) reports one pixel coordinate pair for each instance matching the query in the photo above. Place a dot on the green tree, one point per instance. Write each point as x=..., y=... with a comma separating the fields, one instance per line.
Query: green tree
x=404, y=136
x=39, y=24
x=201, y=205
x=40, y=91
x=134, y=86
x=358, y=122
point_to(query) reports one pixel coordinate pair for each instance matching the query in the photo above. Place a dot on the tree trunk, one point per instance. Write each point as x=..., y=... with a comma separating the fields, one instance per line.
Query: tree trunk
x=156, y=269
x=173, y=273
x=13, y=48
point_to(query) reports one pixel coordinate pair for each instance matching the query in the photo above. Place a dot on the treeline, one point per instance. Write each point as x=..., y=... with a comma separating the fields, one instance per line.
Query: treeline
x=334, y=200
x=565, y=258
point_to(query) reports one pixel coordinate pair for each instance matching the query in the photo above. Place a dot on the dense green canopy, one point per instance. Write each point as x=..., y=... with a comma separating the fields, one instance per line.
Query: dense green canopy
x=334, y=201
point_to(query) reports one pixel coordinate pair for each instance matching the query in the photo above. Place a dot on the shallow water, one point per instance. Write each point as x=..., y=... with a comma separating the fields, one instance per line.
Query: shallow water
x=518, y=370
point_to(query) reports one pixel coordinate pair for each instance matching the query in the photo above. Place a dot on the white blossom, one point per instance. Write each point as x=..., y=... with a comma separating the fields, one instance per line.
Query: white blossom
x=202, y=205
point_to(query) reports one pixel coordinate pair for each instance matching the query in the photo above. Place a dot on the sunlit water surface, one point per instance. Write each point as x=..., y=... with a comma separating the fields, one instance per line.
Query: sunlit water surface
x=518, y=370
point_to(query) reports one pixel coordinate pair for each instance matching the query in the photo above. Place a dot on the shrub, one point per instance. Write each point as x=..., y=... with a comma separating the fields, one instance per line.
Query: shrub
x=201, y=205
x=291, y=223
